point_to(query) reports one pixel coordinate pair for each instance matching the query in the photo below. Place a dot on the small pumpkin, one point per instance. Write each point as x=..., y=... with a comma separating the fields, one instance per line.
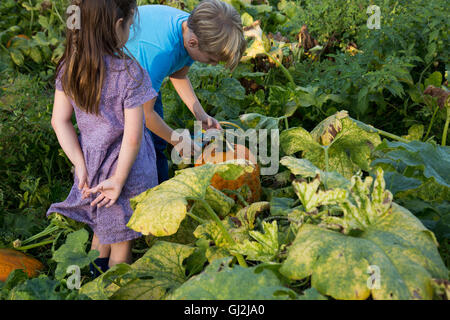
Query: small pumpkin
x=12, y=259
x=252, y=179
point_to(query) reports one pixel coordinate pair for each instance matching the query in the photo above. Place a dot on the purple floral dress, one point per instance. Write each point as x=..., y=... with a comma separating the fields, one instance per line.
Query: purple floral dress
x=125, y=86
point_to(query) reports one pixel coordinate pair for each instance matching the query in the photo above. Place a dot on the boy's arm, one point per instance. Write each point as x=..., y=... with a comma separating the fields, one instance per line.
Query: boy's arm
x=158, y=126
x=155, y=123
x=183, y=86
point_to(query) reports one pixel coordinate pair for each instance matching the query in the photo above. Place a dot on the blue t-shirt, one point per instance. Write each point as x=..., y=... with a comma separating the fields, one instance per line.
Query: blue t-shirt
x=158, y=42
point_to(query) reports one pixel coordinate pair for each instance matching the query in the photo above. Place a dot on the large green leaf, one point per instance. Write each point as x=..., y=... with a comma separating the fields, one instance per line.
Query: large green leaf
x=397, y=182
x=73, y=252
x=211, y=231
x=220, y=282
x=165, y=260
x=349, y=147
x=238, y=227
x=164, y=263
x=103, y=287
x=433, y=161
x=141, y=289
x=41, y=288
x=379, y=235
x=160, y=210
x=156, y=273
x=263, y=247
x=306, y=169
x=258, y=121
x=219, y=202
x=311, y=197
x=282, y=206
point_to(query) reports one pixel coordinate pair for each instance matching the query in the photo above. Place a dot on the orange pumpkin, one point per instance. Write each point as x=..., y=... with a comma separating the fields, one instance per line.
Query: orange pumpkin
x=252, y=179
x=12, y=259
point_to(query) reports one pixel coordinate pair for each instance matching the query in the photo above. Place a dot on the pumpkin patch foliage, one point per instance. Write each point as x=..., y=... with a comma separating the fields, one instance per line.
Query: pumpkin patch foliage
x=356, y=120
x=373, y=231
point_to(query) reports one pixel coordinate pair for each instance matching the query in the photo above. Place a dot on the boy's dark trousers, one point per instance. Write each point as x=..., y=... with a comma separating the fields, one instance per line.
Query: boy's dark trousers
x=160, y=145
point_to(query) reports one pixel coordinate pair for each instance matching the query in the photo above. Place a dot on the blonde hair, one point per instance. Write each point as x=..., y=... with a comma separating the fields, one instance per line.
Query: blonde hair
x=218, y=27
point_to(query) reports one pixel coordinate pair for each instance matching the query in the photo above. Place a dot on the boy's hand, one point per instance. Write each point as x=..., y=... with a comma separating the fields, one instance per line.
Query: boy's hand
x=109, y=190
x=209, y=122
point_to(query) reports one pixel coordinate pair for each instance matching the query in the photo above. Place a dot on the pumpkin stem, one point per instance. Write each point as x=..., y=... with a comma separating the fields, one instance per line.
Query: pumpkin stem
x=238, y=195
x=196, y=218
x=34, y=245
x=230, y=124
x=49, y=230
x=447, y=122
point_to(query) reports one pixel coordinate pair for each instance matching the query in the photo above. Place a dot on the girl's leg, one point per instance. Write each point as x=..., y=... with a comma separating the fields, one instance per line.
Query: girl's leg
x=104, y=249
x=121, y=253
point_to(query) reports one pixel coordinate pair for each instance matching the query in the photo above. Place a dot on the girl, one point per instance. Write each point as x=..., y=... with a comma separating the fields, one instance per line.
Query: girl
x=114, y=158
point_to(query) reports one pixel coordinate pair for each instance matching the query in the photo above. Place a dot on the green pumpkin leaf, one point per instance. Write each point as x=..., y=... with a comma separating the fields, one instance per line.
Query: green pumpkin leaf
x=196, y=261
x=380, y=237
x=432, y=160
x=164, y=263
x=17, y=57
x=311, y=198
x=219, y=202
x=232, y=89
x=73, y=252
x=286, y=192
x=435, y=79
x=35, y=54
x=349, y=147
x=397, y=182
x=211, y=231
x=247, y=215
x=184, y=235
x=415, y=132
x=141, y=289
x=102, y=287
x=305, y=169
x=258, y=121
x=152, y=276
x=259, y=45
x=164, y=260
x=265, y=245
x=281, y=206
x=238, y=226
x=220, y=282
x=312, y=294
x=41, y=288
x=160, y=210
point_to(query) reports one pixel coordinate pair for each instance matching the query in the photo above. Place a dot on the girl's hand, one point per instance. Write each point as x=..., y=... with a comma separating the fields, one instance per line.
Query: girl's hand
x=109, y=190
x=82, y=175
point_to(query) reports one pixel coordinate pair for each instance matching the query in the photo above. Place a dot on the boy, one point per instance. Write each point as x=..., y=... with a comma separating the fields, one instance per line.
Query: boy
x=168, y=41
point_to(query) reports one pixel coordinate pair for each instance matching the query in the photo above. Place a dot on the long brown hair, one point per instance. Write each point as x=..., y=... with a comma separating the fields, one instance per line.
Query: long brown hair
x=82, y=65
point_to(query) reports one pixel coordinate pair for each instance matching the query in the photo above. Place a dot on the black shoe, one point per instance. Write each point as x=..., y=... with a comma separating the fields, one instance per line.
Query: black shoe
x=102, y=263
